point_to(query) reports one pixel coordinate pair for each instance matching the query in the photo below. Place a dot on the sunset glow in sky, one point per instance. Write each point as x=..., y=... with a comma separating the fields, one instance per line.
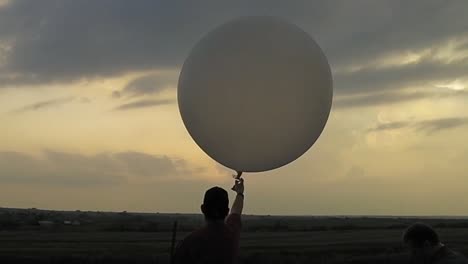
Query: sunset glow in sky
x=89, y=117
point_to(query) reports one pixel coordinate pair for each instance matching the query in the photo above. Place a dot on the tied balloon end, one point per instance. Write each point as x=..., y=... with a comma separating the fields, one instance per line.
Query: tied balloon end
x=238, y=175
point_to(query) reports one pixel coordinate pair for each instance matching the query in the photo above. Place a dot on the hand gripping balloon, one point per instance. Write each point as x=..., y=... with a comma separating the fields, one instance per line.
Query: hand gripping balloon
x=255, y=93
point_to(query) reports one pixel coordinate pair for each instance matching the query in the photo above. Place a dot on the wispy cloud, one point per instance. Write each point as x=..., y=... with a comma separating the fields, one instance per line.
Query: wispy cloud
x=148, y=85
x=144, y=104
x=427, y=126
x=376, y=99
x=394, y=97
x=390, y=126
x=45, y=104
x=436, y=125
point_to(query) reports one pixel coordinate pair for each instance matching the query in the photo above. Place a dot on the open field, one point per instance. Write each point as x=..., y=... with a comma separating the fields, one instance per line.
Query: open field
x=268, y=247
x=265, y=239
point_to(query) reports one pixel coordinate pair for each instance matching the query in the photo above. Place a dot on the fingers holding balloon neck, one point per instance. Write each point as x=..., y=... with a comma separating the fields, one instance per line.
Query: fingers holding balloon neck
x=239, y=174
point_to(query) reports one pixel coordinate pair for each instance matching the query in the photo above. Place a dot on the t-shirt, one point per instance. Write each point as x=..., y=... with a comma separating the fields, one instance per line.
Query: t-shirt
x=447, y=256
x=215, y=243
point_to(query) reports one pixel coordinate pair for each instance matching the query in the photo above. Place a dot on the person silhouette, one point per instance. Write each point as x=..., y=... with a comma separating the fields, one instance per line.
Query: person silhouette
x=217, y=241
x=426, y=248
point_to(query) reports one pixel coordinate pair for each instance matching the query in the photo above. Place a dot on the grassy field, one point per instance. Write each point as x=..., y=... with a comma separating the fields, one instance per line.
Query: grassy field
x=353, y=246
x=127, y=238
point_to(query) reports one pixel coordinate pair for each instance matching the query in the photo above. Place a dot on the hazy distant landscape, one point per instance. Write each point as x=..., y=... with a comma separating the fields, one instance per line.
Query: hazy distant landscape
x=43, y=236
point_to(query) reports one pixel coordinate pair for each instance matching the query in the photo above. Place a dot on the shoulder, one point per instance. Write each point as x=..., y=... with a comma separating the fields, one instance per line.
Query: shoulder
x=234, y=221
x=233, y=217
x=196, y=234
x=459, y=258
x=452, y=257
x=190, y=239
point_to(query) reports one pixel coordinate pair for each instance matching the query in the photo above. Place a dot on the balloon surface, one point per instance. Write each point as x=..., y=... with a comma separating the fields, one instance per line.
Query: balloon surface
x=255, y=93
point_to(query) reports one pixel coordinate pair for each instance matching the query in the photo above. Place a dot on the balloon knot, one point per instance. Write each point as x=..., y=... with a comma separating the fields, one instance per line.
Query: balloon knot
x=239, y=174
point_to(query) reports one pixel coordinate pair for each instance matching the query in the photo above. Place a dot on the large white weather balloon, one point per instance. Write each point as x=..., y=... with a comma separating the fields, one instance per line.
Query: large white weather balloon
x=255, y=93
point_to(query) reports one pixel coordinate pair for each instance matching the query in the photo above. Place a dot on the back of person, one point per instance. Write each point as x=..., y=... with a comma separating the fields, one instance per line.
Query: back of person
x=426, y=247
x=447, y=256
x=218, y=241
x=214, y=243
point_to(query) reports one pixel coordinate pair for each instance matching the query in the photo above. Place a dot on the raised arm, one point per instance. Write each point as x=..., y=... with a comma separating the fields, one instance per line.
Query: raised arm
x=238, y=203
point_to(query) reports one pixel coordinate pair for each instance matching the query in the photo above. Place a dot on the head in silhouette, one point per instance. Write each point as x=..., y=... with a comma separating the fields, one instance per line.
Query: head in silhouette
x=422, y=240
x=215, y=205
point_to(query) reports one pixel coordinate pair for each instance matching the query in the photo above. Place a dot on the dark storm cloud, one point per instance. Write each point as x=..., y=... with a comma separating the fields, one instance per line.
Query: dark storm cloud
x=426, y=126
x=144, y=104
x=387, y=26
x=70, y=169
x=68, y=40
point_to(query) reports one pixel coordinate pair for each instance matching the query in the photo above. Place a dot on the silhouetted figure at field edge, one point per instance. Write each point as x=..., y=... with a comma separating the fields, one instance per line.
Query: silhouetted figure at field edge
x=218, y=241
x=426, y=247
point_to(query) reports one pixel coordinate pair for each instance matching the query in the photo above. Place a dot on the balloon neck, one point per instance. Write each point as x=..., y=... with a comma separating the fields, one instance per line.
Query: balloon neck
x=239, y=174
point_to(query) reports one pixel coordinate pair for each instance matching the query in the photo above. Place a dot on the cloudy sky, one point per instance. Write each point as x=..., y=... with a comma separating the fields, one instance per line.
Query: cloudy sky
x=89, y=119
